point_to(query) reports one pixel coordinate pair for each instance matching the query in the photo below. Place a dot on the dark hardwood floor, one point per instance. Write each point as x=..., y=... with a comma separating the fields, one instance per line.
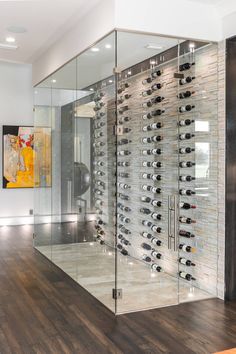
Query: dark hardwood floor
x=43, y=311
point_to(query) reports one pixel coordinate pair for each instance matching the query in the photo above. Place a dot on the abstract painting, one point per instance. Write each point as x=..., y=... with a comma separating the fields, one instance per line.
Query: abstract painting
x=18, y=157
x=26, y=157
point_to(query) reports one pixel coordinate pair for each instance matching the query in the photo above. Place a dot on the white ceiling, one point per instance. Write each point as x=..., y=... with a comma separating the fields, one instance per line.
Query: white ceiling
x=210, y=2
x=45, y=21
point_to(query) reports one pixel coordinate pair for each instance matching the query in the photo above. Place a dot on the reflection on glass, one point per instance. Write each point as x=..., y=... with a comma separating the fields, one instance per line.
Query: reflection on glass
x=201, y=126
x=202, y=160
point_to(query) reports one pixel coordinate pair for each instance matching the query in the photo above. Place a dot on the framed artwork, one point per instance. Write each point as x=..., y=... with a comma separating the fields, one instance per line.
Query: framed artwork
x=20, y=154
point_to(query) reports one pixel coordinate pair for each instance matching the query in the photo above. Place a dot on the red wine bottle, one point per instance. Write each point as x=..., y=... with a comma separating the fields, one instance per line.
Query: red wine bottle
x=185, y=220
x=186, y=122
x=186, y=136
x=185, y=66
x=185, y=94
x=156, y=267
x=184, y=164
x=155, y=241
x=186, y=206
x=186, y=178
x=147, y=235
x=186, y=234
x=156, y=254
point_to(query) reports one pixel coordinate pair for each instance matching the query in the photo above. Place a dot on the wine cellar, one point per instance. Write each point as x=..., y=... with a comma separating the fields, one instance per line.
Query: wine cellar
x=149, y=208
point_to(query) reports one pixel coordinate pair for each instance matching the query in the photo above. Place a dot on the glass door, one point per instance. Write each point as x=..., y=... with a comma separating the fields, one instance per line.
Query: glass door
x=147, y=173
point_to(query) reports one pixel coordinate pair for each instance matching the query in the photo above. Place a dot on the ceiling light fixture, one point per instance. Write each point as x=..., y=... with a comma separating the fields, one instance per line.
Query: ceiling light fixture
x=154, y=46
x=110, y=81
x=10, y=40
x=152, y=62
x=95, y=49
x=53, y=81
x=108, y=46
x=191, y=45
x=8, y=46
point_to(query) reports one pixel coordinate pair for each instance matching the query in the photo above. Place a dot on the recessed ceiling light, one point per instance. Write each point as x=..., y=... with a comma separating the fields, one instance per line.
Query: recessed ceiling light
x=10, y=40
x=95, y=49
x=53, y=81
x=153, y=46
x=191, y=45
x=16, y=29
x=108, y=46
x=8, y=46
x=152, y=62
x=111, y=81
x=91, y=89
x=129, y=72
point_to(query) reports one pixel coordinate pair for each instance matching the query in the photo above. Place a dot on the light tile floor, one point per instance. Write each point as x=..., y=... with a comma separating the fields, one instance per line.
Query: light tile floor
x=93, y=266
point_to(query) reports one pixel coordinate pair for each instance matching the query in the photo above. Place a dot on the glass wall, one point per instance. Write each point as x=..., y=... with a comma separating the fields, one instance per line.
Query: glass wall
x=126, y=170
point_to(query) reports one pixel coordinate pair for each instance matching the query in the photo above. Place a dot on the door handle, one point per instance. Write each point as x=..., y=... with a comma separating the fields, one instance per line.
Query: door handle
x=172, y=221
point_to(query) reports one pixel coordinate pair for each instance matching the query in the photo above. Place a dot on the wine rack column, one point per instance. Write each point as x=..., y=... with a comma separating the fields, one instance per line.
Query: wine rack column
x=197, y=109
x=147, y=165
x=104, y=168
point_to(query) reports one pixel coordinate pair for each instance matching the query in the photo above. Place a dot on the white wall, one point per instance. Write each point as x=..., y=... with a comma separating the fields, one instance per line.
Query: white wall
x=16, y=106
x=180, y=18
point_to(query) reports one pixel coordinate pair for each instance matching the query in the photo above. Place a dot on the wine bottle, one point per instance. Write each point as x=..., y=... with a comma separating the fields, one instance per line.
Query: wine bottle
x=145, y=211
x=146, y=140
x=156, y=138
x=156, y=151
x=99, y=144
x=186, y=122
x=156, y=216
x=185, y=94
x=98, y=106
x=156, y=190
x=147, y=175
x=126, y=85
x=186, y=206
x=146, y=235
x=156, y=228
x=186, y=108
x=123, y=218
x=186, y=178
x=146, y=246
x=99, y=173
x=186, y=80
x=186, y=192
x=148, y=80
x=186, y=136
x=146, y=223
x=185, y=220
x=124, y=186
x=156, y=87
x=100, y=125
x=99, y=115
x=147, y=104
x=97, y=191
x=186, y=262
x=157, y=125
x=186, y=276
x=147, y=92
x=156, y=267
x=156, y=177
x=124, y=230
x=146, y=258
x=187, y=248
x=156, y=73
x=124, y=120
x=100, y=183
x=156, y=254
x=98, y=202
x=186, y=234
x=185, y=66
x=100, y=153
x=123, y=163
x=146, y=199
x=100, y=222
x=156, y=203
x=184, y=164
x=98, y=96
x=123, y=174
x=124, y=141
x=127, y=130
x=99, y=163
x=155, y=241
x=123, y=207
x=186, y=150
x=124, y=153
x=123, y=196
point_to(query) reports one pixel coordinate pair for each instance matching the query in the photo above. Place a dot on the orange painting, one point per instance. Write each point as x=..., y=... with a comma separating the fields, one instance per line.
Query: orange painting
x=20, y=153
